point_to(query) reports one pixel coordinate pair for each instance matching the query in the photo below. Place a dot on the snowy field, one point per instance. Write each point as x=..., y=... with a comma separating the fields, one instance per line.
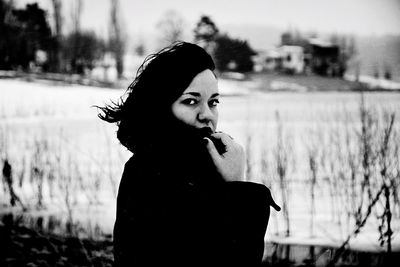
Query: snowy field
x=67, y=163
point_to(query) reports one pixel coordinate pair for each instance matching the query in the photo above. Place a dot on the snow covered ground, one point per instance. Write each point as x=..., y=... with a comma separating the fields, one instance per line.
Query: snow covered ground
x=63, y=120
x=373, y=82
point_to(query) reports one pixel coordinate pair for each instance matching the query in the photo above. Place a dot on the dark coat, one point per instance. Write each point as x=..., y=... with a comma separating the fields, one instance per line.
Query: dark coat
x=171, y=214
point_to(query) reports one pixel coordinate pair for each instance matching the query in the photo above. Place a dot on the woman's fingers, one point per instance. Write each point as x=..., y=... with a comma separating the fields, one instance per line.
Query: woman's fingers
x=232, y=162
x=225, y=138
x=212, y=150
x=231, y=146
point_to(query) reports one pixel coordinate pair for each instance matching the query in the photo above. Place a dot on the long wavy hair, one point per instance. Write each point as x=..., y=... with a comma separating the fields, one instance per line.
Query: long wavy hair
x=144, y=111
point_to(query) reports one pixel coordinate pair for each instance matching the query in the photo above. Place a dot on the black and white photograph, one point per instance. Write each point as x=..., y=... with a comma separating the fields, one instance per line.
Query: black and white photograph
x=199, y=133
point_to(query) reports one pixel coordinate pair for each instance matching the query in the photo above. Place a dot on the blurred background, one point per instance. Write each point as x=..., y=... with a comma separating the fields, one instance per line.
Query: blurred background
x=310, y=88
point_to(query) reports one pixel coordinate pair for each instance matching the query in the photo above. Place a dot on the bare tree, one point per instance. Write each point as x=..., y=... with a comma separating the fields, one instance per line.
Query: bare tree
x=282, y=152
x=76, y=15
x=58, y=22
x=377, y=177
x=116, y=37
x=387, y=160
x=8, y=178
x=171, y=27
x=313, y=155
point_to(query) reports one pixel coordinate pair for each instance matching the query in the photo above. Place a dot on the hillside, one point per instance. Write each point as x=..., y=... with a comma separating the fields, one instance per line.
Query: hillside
x=377, y=53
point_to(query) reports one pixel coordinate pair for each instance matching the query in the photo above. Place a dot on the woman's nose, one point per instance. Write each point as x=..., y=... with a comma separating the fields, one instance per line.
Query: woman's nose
x=205, y=114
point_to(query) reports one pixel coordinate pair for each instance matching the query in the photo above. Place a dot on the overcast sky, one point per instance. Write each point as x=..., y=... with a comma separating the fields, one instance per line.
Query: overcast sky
x=363, y=17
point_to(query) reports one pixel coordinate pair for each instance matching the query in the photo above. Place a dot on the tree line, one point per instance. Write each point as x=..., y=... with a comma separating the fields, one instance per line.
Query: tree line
x=229, y=53
x=27, y=41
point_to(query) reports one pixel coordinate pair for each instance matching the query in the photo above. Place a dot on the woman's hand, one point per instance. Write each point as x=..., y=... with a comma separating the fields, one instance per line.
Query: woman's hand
x=230, y=164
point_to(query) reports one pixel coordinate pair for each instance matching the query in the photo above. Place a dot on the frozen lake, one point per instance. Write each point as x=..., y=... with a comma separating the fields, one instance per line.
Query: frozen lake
x=59, y=123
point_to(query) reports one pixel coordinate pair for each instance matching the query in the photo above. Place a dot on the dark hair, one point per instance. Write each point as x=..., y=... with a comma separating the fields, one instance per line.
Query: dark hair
x=145, y=108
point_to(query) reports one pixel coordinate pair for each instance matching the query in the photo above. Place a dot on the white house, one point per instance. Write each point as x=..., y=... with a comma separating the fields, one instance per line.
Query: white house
x=292, y=58
x=289, y=58
x=267, y=60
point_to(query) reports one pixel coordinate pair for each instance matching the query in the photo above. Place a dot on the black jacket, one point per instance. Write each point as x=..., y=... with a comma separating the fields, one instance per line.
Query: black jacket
x=172, y=212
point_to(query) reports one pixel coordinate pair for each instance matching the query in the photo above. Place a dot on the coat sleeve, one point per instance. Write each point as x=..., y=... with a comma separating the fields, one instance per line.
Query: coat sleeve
x=247, y=210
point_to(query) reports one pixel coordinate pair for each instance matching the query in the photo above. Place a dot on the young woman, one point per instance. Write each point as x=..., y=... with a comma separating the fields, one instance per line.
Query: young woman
x=182, y=200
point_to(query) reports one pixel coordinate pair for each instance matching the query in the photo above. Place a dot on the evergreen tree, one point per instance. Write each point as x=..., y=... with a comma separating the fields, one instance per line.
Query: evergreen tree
x=233, y=54
x=206, y=30
x=7, y=32
x=23, y=33
x=205, y=34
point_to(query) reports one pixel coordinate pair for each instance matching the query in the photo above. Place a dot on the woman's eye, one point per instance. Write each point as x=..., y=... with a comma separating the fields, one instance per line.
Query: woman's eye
x=189, y=101
x=214, y=102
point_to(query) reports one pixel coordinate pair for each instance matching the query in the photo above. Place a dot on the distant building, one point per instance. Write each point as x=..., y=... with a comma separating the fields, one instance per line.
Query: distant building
x=267, y=60
x=287, y=58
x=325, y=58
x=273, y=60
x=310, y=55
x=292, y=58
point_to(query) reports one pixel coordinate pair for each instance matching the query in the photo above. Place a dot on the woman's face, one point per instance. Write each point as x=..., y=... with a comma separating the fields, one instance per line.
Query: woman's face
x=197, y=106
